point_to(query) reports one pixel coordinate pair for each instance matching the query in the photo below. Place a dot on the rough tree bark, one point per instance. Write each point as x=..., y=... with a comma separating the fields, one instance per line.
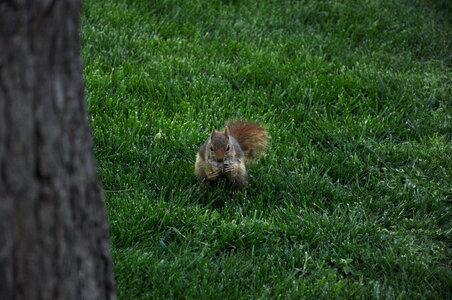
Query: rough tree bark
x=54, y=241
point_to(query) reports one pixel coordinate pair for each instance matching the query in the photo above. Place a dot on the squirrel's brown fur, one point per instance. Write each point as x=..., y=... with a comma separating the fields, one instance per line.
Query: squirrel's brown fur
x=223, y=154
x=252, y=137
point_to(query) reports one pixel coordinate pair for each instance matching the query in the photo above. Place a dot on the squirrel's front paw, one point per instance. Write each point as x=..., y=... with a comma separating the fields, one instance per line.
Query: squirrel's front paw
x=212, y=171
x=231, y=169
x=211, y=175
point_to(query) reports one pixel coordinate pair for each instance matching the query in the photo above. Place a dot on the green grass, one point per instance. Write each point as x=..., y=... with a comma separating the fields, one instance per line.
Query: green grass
x=353, y=199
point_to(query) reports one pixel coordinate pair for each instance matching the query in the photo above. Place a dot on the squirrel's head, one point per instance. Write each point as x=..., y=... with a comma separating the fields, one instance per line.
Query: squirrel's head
x=220, y=146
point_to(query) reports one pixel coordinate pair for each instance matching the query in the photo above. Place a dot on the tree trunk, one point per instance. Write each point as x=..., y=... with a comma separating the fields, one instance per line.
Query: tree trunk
x=54, y=241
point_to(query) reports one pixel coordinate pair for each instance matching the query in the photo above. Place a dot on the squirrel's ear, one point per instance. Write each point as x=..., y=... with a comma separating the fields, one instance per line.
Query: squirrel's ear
x=214, y=132
x=226, y=131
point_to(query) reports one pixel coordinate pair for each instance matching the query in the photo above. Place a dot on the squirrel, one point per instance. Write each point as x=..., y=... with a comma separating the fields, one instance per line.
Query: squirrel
x=223, y=154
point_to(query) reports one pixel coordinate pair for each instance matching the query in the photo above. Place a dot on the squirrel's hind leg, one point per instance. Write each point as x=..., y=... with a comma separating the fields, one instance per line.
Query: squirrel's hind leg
x=199, y=169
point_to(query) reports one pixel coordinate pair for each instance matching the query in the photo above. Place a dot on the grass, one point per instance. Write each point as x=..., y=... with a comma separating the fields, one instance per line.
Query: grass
x=353, y=199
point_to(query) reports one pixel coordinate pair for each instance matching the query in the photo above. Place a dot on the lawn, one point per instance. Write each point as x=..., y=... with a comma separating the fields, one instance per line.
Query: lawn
x=352, y=199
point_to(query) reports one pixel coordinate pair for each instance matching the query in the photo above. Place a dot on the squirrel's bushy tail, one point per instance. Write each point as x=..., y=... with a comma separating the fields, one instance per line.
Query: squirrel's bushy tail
x=252, y=137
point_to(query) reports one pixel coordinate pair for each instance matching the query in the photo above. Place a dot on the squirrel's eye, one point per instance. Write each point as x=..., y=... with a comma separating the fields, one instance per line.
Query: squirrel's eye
x=228, y=147
x=211, y=147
